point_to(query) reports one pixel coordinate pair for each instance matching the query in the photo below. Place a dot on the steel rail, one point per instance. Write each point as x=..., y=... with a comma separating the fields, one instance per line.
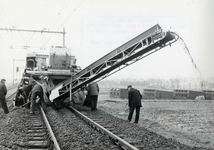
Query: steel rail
x=57, y=147
x=9, y=96
x=125, y=145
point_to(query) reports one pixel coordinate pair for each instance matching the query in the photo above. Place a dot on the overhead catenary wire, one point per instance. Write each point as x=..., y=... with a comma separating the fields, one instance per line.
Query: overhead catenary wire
x=59, y=13
x=34, y=31
x=51, y=14
x=70, y=14
x=28, y=41
x=58, y=16
x=30, y=38
x=65, y=21
x=22, y=38
x=5, y=41
x=7, y=38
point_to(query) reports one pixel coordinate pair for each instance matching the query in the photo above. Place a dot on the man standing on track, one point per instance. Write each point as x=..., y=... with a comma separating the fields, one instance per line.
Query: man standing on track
x=134, y=99
x=3, y=93
x=93, y=91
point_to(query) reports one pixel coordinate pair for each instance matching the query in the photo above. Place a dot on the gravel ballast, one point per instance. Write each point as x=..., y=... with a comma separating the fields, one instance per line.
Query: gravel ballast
x=73, y=133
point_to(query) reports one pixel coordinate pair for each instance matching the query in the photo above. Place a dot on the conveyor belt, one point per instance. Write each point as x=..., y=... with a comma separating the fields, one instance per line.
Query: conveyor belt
x=139, y=47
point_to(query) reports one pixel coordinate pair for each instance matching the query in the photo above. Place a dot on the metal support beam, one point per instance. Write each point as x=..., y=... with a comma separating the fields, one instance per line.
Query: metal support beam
x=40, y=31
x=24, y=30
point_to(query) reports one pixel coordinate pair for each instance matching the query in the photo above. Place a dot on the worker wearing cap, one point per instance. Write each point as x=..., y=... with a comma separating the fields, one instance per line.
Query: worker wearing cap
x=134, y=100
x=37, y=90
x=3, y=93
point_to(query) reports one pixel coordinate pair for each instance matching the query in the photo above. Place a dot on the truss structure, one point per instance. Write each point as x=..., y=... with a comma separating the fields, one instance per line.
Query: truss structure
x=132, y=51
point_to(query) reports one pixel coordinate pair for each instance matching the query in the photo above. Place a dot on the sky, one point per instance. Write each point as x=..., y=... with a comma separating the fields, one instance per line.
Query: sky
x=96, y=27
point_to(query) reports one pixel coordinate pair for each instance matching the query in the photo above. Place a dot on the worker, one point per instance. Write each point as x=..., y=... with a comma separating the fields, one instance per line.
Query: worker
x=134, y=101
x=22, y=95
x=87, y=101
x=3, y=93
x=37, y=90
x=79, y=97
x=93, y=91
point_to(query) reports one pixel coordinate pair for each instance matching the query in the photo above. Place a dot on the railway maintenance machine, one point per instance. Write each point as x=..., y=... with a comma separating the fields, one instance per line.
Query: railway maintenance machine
x=130, y=52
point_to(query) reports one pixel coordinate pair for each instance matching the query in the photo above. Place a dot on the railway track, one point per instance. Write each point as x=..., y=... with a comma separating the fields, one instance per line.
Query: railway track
x=73, y=133
x=105, y=128
x=40, y=133
x=11, y=93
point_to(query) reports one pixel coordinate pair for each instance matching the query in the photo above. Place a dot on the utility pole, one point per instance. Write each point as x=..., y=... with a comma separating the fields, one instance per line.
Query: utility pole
x=40, y=31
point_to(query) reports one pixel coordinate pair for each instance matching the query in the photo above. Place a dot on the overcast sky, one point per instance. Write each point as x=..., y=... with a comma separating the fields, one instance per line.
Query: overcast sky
x=96, y=27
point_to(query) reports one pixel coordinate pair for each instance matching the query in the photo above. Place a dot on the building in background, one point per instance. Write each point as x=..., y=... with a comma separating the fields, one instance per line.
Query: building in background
x=209, y=94
x=119, y=93
x=155, y=93
x=186, y=94
x=152, y=93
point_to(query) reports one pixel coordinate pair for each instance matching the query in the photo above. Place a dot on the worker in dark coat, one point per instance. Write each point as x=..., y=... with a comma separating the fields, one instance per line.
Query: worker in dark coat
x=37, y=90
x=22, y=94
x=134, y=101
x=3, y=93
x=20, y=97
x=93, y=92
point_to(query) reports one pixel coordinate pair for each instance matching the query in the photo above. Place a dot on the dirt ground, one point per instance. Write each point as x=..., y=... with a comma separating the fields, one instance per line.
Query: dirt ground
x=190, y=122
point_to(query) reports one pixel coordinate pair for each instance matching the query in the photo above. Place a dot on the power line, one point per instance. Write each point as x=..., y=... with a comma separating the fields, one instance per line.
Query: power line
x=65, y=20
x=22, y=37
x=30, y=38
x=56, y=20
x=41, y=31
x=24, y=30
x=71, y=14
x=5, y=41
x=5, y=34
x=51, y=14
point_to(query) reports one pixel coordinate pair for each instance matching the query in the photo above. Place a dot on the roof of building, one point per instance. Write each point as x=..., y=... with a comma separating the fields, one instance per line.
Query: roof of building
x=188, y=90
x=158, y=89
